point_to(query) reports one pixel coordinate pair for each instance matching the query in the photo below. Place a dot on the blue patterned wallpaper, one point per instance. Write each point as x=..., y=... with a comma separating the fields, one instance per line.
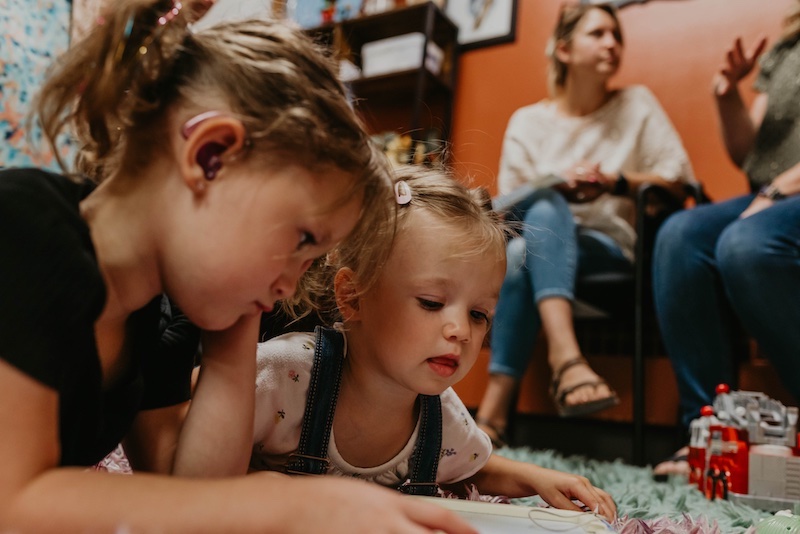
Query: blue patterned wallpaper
x=32, y=34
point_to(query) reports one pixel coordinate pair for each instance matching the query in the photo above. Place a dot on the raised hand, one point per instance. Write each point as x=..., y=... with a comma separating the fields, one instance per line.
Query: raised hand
x=738, y=64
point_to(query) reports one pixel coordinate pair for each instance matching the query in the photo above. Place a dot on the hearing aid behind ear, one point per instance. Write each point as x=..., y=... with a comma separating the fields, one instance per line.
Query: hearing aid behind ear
x=208, y=157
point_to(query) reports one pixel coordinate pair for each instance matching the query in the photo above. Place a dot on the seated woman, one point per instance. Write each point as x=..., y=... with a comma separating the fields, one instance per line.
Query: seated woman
x=736, y=263
x=584, y=152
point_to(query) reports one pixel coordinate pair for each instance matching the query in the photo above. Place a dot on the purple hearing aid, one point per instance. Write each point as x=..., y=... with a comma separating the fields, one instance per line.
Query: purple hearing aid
x=208, y=157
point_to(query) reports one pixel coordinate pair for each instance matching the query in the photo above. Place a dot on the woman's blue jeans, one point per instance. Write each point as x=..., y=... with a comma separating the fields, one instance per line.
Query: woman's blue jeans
x=710, y=267
x=543, y=263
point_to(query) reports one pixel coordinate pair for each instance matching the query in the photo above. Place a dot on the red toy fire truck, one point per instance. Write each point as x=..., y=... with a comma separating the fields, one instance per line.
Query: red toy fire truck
x=745, y=448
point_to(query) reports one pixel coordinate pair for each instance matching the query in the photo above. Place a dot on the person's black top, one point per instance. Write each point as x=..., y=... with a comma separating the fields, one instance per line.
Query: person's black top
x=51, y=295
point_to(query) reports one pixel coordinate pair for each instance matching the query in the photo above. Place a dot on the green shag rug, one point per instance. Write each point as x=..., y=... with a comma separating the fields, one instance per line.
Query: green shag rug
x=644, y=505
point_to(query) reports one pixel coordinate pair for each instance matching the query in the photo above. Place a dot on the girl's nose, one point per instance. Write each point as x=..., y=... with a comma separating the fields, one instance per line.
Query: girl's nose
x=457, y=329
x=286, y=284
x=610, y=40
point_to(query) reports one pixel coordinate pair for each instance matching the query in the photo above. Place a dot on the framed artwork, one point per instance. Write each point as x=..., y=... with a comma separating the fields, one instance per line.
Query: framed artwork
x=34, y=33
x=313, y=13
x=483, y=22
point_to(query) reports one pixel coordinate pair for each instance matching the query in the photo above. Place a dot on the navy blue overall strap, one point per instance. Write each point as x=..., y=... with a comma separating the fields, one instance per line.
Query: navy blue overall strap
x=424, y=461
x=311, y=457
x=323, y=391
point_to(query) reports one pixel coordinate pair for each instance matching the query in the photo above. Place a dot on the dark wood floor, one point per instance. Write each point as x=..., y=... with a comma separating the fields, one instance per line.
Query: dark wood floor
x=599, y=440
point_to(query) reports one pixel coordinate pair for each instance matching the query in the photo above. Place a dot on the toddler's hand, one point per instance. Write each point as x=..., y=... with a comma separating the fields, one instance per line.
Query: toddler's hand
x=559, y=489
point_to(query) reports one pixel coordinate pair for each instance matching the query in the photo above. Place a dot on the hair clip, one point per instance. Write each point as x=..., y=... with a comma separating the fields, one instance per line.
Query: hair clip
x=163, y=20
x=402, y=193
x=171, y=14
x=126, y=33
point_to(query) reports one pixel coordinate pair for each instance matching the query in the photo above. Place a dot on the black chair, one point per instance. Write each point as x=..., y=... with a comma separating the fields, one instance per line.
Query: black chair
x=627, y=296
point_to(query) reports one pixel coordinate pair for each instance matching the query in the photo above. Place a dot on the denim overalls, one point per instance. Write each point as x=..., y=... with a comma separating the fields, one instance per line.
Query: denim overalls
x=311, y=457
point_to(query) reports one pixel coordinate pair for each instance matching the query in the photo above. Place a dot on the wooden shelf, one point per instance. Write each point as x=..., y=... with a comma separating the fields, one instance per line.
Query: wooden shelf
x=418, y=88
x=398, y=85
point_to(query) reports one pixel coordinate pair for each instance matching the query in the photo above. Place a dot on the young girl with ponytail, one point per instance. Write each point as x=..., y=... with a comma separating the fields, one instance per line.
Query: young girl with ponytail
x=213, y=168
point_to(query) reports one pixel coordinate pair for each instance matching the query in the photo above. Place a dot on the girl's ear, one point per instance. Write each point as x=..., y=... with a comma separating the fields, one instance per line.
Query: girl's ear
x=207, y=144
x=346, y=291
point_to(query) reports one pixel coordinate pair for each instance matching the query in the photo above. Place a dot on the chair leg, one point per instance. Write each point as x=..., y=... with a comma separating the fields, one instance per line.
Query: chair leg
x=638, y=379
x=638, y=405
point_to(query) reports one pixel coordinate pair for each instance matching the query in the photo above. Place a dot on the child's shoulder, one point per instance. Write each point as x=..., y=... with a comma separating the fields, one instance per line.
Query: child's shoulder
x=38, y=188
x=465, y=447
x=288, y=353
x=454, y=412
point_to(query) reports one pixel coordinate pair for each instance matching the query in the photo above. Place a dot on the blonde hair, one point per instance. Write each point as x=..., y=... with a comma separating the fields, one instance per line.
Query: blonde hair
x=569, y=17
x=483, y=233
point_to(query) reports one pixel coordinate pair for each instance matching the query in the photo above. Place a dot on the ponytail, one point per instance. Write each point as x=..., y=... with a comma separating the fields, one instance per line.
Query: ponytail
x=117, y=73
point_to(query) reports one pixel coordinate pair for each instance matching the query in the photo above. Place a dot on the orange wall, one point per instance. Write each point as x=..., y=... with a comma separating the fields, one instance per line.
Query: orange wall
x=672, y=46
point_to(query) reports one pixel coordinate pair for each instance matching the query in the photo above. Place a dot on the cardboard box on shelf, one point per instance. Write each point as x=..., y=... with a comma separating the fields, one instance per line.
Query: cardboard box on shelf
x=396, y=54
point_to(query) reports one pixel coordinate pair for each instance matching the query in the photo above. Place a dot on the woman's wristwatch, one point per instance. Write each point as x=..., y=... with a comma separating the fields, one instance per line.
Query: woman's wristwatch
x=771, y=192
x=621, y=185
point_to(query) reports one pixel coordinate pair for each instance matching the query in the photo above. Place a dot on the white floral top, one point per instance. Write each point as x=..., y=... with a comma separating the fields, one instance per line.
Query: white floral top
x=284, y=371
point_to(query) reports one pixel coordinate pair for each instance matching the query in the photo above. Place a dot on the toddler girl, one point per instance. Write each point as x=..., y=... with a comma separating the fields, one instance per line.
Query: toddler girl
x=372, y=398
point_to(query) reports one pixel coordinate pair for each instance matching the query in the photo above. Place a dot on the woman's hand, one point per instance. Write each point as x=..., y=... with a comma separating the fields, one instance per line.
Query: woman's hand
x=583, y=182
x=738, y=64
x=758, y=204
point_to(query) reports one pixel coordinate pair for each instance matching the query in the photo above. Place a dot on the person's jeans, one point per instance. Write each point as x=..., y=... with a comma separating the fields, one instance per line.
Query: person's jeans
x=543, y=263
x=709, y=265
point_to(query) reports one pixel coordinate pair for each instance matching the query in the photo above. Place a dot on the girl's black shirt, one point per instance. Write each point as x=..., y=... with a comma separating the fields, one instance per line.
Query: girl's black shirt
x=51, y=295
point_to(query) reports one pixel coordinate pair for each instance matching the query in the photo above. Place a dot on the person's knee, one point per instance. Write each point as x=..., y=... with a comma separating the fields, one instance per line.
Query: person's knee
x=515, y=257
x=741, y=249
x=550, y=205
x=515, y=261
x=677, y=231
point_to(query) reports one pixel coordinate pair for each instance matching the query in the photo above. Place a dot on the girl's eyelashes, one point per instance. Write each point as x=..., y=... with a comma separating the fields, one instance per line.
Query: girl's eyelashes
x=430, y=305
x=481, y=317
x=307, y=239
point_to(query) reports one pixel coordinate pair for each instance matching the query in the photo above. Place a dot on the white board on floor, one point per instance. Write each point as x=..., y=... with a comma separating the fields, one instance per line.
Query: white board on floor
x=492, y=518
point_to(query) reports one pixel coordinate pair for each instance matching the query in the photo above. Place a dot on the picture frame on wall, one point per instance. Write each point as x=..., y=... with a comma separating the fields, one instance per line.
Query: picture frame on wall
x=619, y=4
x=483, y=22
x=313, y=13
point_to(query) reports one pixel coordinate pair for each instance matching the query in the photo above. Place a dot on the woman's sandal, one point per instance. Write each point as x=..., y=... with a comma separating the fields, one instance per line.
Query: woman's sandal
x=583, y=408
x=499, y=439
